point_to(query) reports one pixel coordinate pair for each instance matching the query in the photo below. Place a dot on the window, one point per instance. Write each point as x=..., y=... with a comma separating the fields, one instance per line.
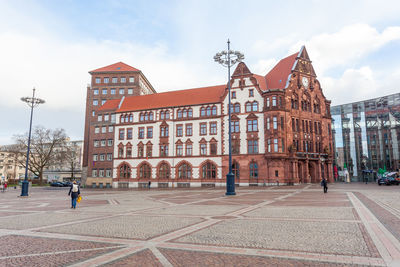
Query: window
x=269, y=145
x=103, y=129
x=103, y=101
x=208, y=110
x=125, y=171
x=179, y=150
x=121, y=134
x=203, y=128
x=106, y=80
x=202, y=112
x=109, y=142
x=149, y=150
x=190, y=113
x=251, y=92
x=112, y=91
x=255, y=106
x=103, y=142
x=252, y=125
x=130, y=91
x=145, y=171
x=104, y=91
x=275, y=145
x=102, y=157
x=108, y=172
x=235, y=127
x=93, y=113
x=234, y=95
x=121, y=91
x=184, y=171
x=189, y=129
x=95, y=157
x=123, y=80
x=113, y=118
x=97, y=80
x=95, y=102
x=236, y=108
x=99, y=117
x=94, y=173
x=214, y=111
x=209, y=171
x=276, y=173
x=248, y=107
x=213, y=149
x=114, y=80
x=109, y=157
x=150, y=132
x=235, y=147
x=95, y=91
x=164, y=131
x=253, y=170
x=141, y=133
x=267, y=123
x=235, y=170
x=274, y=101
x=275, y=122
x=129, y=133
x=179, y=130
x=121, y=151
x=252, y=146
x=213, y=128
x=179, y=114
x=131, y=79
x=140, y=150
x=203, y=149
x=164, y=171
x=189, y=149
x=185, y=113
x=283, y=145
x=106, y=117
x=282, y=123
x=97, y=130
x=163, y=150
x=96, y=143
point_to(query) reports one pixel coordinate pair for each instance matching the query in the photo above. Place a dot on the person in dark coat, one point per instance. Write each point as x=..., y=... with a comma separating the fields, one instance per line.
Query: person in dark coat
x=74, y=192
x=149, y=184
x=324, y=183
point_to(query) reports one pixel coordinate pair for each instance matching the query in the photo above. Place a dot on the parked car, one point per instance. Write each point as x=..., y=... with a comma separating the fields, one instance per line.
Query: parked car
x=67, y=184
x=57, y=184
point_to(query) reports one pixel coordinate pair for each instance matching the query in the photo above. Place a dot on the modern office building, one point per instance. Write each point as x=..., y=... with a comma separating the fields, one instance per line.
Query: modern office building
x=367, y=135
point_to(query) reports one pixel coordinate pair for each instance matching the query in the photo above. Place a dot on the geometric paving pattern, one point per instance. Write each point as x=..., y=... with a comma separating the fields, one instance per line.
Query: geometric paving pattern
x=352, y=225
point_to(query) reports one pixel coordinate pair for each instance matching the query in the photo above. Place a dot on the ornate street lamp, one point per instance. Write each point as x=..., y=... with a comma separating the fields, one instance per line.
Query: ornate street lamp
x=32, y=102
x=228, y=59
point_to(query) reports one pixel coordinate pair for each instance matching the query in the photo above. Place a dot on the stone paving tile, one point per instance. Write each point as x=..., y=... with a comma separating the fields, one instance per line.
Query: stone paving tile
x=203, y=210
x=40, y=219
x=14, y=245
x=141, y=258
x=391, y=222
x=136, y=227
x=183, y=258
x=61, y=259
x=342, y=238
x=10, y=213
x=337, y=213
x=312, y=203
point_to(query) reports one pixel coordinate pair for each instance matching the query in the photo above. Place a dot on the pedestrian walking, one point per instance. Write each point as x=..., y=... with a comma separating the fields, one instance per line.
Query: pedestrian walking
x=324, y=183
x=149, y=184
x=74, y=192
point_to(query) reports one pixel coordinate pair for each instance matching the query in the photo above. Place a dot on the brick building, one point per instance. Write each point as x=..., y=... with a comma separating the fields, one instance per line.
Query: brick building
x=280, y=132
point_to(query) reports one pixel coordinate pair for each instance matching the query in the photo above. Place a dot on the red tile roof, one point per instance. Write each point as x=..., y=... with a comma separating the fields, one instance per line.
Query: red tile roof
x=196, y=96
x=261, y=81
x=116, y=67
x=278, y=76
x=110, y=105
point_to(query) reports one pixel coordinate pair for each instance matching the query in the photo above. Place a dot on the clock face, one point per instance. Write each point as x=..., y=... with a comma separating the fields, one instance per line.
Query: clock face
x=305, y=82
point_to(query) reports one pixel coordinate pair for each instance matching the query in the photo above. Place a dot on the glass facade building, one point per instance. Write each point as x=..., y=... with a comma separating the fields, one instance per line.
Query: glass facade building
x=367, y=136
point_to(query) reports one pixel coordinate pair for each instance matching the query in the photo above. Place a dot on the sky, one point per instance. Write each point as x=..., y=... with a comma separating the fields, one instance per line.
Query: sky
x=51, y=45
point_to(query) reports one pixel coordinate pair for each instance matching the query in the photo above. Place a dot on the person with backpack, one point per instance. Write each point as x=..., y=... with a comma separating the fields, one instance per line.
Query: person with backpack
x=324, y=183
x=74, y=192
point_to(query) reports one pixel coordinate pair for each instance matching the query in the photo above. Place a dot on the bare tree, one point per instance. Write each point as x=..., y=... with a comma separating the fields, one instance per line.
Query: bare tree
x=46, y=145
x=70, y=158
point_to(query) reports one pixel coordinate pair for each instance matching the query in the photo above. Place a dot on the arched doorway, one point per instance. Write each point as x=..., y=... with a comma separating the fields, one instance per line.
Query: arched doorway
x=312, y=170
x=300, y=172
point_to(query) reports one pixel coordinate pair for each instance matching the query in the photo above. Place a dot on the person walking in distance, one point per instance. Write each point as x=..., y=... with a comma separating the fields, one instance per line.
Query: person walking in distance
x=149, y=184
x=324, y=183
x=74, y=192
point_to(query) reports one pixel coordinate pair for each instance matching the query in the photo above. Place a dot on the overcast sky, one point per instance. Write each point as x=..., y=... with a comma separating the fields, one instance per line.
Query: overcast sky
x=51, y=45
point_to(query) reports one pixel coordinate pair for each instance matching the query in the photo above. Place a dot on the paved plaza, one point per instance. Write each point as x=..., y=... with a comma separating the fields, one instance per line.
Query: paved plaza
x=352, y=225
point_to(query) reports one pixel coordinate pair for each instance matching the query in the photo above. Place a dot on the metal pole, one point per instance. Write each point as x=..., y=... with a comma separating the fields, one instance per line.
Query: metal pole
x=25, y=183
x=230, y=178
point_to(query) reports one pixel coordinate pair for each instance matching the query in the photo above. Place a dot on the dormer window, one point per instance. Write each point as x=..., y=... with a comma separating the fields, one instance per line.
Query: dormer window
x=251, y=92
x=234, y=95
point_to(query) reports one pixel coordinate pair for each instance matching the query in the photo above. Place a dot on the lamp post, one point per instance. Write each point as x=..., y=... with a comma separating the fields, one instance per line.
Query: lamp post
x=32, y=102
x=227, y=59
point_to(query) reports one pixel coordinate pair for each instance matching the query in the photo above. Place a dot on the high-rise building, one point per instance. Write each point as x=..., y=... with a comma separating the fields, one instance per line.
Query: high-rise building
x=115, y=81
x=367, y=136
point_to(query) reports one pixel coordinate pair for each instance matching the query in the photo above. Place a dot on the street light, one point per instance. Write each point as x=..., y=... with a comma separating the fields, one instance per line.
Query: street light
x=32, y=102
x=228, y=59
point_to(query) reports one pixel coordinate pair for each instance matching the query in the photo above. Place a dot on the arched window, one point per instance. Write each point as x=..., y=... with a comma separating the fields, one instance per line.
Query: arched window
x=190, y=113
x=202, y=112
x=162, y=115
x=184, y=171
x=179, y=114
x=146, y=116
x=125, y=171
x=164, y=171
x=184, y=113
x=237, y=108
x=145, y=171
x=209, y=171
x=214, y=110
x=248, y=107
x=255, y=106
x=208, y=111
x=253, y=170
x=122, y=119
x=141, y=117
x=151, y=116
x=130, y=118
x=167, y=114
x=235, y=170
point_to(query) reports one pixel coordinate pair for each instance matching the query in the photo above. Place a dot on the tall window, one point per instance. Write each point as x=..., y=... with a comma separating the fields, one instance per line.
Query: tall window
x=236, y=108
x=235, y=127
x=179, y=114
x=163, y=150
x=179, y=150
x=179, y=130
x=269, y=145
x=150, y=132
x=275, y=145
x=255, y=106
x=253, y=170
x=141, y=133
x=164, y=131
x=202, y=112
x=209, y=171
x=190, y=113
x=208, y=111
x=128, y=151
x=213, y=149
x=184, y=171
x=252, y=146
x=121, y=134
x=145, y=171
x=125, y=171
x=248, y=107
x=203, y=149
x=189, y=149
x=235, y=146
x=274, y=101
x=164, y=171
x=149, y=150
x=213, y=128
x=203, y=128
x=214, y=111
x=129, y=133
x=140, y=150
x=268, y=122
x=189, y=129
x=252, y=125
x=236, y=170
x=275, y=123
